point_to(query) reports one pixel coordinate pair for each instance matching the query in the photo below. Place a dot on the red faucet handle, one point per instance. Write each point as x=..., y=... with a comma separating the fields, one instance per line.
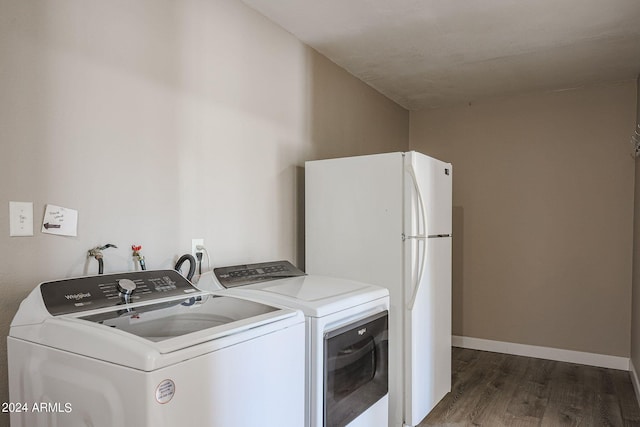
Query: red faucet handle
x=136, y=248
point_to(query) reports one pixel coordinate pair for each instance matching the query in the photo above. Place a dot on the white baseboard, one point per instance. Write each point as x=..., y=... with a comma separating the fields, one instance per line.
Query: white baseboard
x=582, y=358
x=634, y=380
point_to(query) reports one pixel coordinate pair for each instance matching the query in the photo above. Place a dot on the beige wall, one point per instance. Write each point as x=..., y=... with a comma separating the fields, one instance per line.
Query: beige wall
x=543, y=202
x=162, y=121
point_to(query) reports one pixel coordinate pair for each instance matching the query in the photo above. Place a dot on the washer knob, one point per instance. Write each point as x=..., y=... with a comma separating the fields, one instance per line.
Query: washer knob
x=126, y=286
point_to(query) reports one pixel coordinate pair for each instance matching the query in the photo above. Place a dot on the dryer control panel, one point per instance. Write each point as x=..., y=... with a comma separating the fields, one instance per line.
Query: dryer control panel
x=246, y=274
x=112, y=290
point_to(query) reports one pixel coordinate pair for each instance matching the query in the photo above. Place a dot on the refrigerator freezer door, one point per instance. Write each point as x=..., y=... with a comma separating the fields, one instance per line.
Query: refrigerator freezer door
x=428, y=331
x=434, y=179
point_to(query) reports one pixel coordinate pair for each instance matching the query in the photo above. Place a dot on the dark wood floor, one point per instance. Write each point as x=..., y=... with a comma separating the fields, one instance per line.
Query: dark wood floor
x=494, y=389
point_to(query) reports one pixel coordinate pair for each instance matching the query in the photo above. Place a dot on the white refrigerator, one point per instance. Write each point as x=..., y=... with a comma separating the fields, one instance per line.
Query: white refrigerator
x=385, y=219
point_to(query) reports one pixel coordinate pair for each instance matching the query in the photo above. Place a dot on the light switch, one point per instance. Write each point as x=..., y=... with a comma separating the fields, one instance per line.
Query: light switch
x=20, y=219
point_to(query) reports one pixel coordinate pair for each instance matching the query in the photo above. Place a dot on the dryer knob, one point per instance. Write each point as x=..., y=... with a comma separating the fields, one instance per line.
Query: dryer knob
x=126, y=286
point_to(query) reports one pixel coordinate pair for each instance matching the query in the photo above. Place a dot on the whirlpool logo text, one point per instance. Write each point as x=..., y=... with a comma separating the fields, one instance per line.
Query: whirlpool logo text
x=78, y=296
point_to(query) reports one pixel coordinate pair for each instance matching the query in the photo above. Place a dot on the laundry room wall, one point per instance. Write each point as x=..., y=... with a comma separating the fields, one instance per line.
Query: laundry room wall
x=163, y=121
x=543, y=215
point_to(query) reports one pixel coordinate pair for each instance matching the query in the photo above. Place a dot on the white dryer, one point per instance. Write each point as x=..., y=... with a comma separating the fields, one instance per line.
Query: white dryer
x=149, y=349
x=347, y=338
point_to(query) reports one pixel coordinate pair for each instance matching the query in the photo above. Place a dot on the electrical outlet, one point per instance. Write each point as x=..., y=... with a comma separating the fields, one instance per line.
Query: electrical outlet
x=194, y=244
x=20, y=219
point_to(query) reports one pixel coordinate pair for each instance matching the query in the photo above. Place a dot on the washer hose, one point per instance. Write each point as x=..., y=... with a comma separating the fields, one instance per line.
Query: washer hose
x=192, y=265
x=136, y=254
x=97, y=254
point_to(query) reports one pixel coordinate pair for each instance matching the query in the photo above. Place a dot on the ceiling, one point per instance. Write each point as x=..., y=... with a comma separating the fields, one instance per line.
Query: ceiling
x=433, y=53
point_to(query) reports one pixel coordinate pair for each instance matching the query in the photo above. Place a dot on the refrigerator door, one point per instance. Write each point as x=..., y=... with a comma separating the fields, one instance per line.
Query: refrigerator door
x=428, y=331
x=434, y=179
x=427, y=304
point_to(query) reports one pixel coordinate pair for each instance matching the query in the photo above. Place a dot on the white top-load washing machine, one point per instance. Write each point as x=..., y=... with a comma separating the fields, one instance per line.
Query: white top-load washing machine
x=347, y=338
x=148, y=349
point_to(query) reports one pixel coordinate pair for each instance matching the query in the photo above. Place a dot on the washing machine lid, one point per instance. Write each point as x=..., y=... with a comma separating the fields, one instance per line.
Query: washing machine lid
x=153, y=331
x=316, y=296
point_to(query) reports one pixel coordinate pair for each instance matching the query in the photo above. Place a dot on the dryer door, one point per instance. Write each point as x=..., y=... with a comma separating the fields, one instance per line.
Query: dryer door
x=355, y=368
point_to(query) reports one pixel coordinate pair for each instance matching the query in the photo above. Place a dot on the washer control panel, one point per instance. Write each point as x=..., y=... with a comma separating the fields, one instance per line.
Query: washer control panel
x=112, y=290
x=246, y=274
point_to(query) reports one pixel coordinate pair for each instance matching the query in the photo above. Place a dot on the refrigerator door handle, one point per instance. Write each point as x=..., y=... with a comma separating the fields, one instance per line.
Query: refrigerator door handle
x=416, y=286
x=416, y=237
x=422, y=215
x=420, y=237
